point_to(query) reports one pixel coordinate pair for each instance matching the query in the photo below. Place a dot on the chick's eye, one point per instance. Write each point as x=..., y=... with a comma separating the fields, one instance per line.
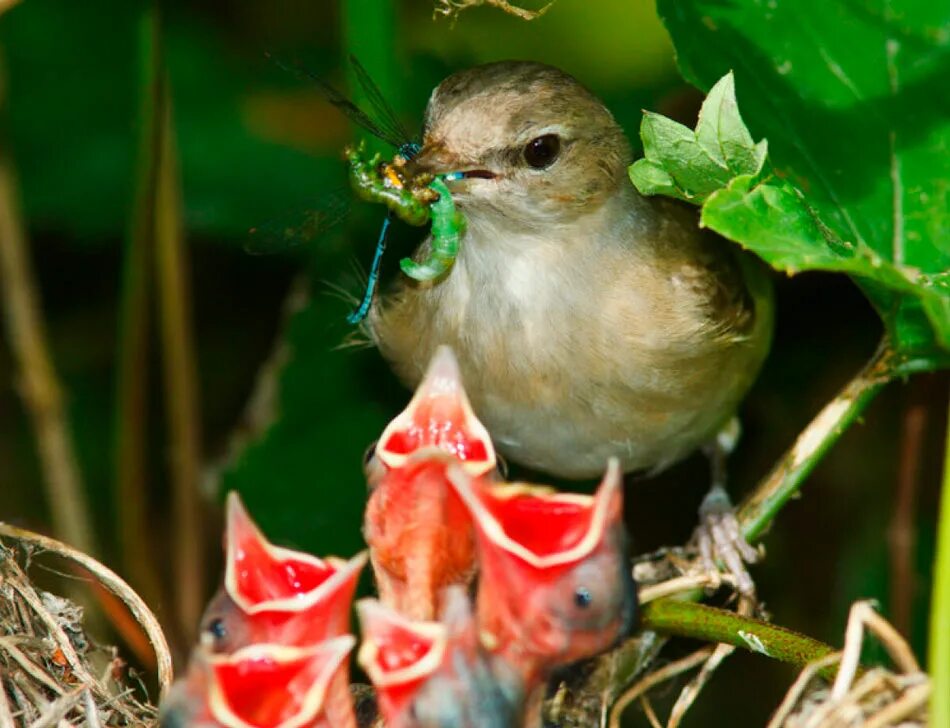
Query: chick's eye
x=217, y=629
x=582, y=597
x=542, y=151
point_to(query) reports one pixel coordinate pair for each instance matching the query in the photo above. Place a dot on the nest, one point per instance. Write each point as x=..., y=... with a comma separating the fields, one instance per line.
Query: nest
x=51, y=672
x=872, y=698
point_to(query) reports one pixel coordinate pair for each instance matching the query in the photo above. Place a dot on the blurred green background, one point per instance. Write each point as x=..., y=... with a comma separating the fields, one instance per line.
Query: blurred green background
x=285, y=410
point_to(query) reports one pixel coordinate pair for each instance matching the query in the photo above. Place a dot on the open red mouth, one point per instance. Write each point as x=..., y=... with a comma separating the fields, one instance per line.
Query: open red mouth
x=269, y=582
x=539, y=526
x=272, y=686
x=440, y=416
x=397, y=654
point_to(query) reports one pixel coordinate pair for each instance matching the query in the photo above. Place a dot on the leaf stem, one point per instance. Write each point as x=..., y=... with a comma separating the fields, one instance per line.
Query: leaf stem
x=939, y=649
x=786, y=477
x=680, y=618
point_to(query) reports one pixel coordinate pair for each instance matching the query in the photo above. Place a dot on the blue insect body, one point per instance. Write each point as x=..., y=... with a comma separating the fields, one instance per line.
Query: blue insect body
x=407, y=151
x=383, y=124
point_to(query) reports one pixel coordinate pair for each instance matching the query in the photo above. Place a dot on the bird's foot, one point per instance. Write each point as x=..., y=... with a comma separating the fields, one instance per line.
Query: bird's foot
x=719, y=539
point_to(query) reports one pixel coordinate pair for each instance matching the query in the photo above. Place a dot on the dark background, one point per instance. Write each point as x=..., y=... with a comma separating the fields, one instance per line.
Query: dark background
x=256, y=146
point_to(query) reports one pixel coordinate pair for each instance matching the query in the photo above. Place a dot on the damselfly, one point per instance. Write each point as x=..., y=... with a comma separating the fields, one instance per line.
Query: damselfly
x=379, y=120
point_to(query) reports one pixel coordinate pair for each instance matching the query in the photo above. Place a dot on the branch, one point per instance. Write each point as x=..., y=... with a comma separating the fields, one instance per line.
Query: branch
x=181, y=376
x=131, y=415
x=681, y=616
x=696, y=621
x=786, y=478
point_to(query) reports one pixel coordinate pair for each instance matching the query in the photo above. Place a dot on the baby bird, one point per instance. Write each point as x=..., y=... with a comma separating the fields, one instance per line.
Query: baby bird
x=589, y=322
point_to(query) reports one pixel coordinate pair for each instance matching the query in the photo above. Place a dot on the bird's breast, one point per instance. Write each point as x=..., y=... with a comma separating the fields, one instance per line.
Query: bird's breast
x=571, y=353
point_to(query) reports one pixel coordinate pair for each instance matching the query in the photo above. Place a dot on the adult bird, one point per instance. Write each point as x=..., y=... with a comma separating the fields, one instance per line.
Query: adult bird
x=590, y=322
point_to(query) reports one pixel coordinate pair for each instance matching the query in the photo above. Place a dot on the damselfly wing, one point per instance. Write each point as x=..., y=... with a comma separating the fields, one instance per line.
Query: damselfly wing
x=307, y=224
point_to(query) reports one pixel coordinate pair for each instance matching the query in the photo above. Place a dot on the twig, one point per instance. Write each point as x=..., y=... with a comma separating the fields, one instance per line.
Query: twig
x=794, y=693
x=28, y=696
x=851, y=702
x=58, y=709
x=113, y=583
x=55, y=630
x=692, y=690
x=650, y=713
x=92, y=712
x=655, y=678
x=908, y=704
x=9, y=646
x=687, y=619
x=862, y=616
x=682, y=585
x=939, y=648
x=181, y=377
x=39, y=385
x=902, y=530
x=785, y=479
x=689, y=693
x=6, y=716
x=131, y=416
x=452, y=8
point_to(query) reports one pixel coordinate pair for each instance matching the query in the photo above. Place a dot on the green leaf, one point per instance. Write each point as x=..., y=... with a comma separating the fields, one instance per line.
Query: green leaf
x=651, y=179
x=691, y=165
x=772, y=219
x=852, y=98
x=722, y=134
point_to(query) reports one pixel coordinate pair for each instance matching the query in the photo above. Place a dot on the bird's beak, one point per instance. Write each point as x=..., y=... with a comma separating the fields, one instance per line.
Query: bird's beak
x=432, y=159
x=435, y=159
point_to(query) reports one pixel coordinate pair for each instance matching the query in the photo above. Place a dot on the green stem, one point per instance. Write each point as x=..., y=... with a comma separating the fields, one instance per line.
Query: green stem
x=939, y=650
x=786, y=478
x=673, y=616
x=697, y=621
x=181, y=373
x=131, y=415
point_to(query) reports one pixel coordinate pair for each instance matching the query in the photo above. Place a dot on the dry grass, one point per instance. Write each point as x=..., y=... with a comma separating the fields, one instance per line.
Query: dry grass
x=874, y=698
x=51, y=672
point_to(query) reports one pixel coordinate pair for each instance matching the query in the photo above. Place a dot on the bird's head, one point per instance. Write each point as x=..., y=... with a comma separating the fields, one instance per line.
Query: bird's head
x=533, y=144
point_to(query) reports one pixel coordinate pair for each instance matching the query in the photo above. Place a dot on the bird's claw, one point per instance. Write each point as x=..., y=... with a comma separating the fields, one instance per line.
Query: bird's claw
x=719, y=539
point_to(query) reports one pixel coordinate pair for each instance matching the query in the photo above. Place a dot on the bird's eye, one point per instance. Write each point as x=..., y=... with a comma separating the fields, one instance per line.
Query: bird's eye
x=217, y=629
x=583, y=597
x=542, y=151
